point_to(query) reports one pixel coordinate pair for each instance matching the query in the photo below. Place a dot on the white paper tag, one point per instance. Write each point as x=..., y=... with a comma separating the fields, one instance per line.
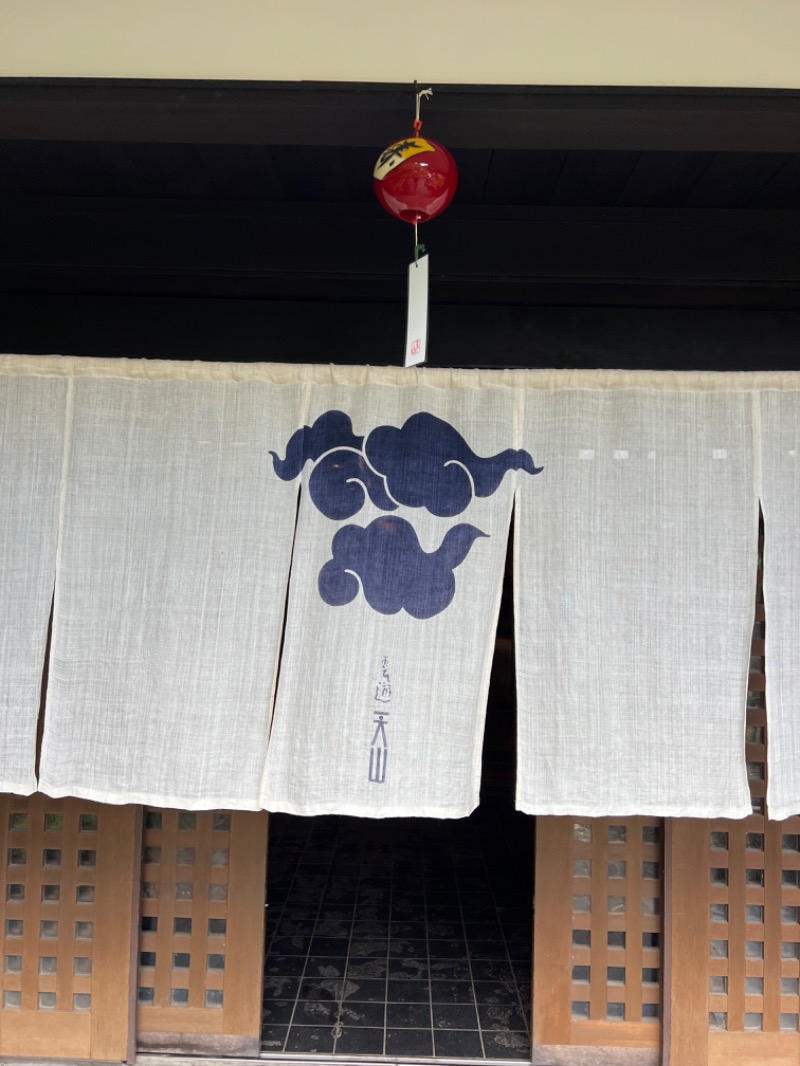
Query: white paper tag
x=417, y=321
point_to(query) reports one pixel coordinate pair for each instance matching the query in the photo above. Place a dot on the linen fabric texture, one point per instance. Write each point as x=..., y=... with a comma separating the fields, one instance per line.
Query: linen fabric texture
x=175, y=548
x=162, y=499
x=635, y=572
x=780, y=496
x=33, y=414
x=394, y=596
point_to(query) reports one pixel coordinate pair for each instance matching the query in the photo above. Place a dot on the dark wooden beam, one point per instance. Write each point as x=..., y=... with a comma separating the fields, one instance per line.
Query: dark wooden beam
x=355, y=291
x=356, y=252
x=357, y=333
x=369, y=115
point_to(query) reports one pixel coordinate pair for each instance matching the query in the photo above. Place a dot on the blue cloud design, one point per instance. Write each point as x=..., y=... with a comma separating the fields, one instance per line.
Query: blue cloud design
x=426, y=463
x=342, y=478
x=341, y=481
x=385, y=560
x=331, y=430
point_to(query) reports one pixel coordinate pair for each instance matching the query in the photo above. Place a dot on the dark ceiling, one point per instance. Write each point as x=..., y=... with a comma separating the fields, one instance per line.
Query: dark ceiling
x=342, y=175
x=591, y=227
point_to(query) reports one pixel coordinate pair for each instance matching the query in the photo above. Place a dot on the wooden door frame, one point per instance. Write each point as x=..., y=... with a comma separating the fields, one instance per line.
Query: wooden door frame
x=104, y=1030
x=236, y=1028
x=552, y=1026
x=685, y=1041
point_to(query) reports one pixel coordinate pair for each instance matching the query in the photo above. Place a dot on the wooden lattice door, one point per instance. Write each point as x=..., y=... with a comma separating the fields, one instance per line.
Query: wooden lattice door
x=735, y=929
x=67, y=900
x=597, y=940
x=201, y=941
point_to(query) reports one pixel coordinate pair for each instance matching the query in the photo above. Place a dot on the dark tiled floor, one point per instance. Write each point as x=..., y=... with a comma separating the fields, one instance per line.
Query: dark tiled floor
x=400, y=937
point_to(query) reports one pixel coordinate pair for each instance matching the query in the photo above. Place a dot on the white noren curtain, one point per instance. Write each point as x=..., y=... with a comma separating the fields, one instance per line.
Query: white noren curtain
x=635, y=577
x=395, y=590
x=33, y=419
x=331, y=540
x=176, y=544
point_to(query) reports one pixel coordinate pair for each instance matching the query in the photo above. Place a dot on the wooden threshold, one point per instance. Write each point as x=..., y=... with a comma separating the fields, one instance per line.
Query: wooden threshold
x=574, y=1055
x=543, y=1056
x=309, y=1060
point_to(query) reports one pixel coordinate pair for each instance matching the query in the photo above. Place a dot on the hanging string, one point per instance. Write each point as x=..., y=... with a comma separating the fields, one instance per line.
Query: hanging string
x=417, y=120
x=419, y=249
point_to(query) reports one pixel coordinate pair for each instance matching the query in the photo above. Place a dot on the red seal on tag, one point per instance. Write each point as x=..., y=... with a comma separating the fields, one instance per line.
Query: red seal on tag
x=415, y=347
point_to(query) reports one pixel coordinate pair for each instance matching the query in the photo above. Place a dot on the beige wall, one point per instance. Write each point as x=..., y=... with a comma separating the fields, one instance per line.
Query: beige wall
x=747, y=43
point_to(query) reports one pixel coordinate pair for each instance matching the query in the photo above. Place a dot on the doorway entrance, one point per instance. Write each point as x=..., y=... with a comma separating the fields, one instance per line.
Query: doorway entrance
x=408, y=937
x=403, y=937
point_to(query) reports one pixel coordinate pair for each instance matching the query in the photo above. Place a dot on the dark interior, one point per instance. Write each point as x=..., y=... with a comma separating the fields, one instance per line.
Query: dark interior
x=403, y=937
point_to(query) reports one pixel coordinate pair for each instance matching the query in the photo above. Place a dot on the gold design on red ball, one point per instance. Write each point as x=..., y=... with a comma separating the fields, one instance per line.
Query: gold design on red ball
x=398, y=152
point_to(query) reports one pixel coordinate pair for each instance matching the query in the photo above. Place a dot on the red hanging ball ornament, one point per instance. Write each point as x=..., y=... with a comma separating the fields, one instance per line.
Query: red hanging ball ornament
x=415, y=179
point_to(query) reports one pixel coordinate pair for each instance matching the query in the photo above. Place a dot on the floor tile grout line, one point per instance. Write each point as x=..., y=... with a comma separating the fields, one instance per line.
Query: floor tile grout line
x=276, y=922
x=425, y=883
x=288, y=896
x=512, y=967
x=343, y=979
x=392, y=867
x=468, y=956
x=316, y=916
x=356, y=907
